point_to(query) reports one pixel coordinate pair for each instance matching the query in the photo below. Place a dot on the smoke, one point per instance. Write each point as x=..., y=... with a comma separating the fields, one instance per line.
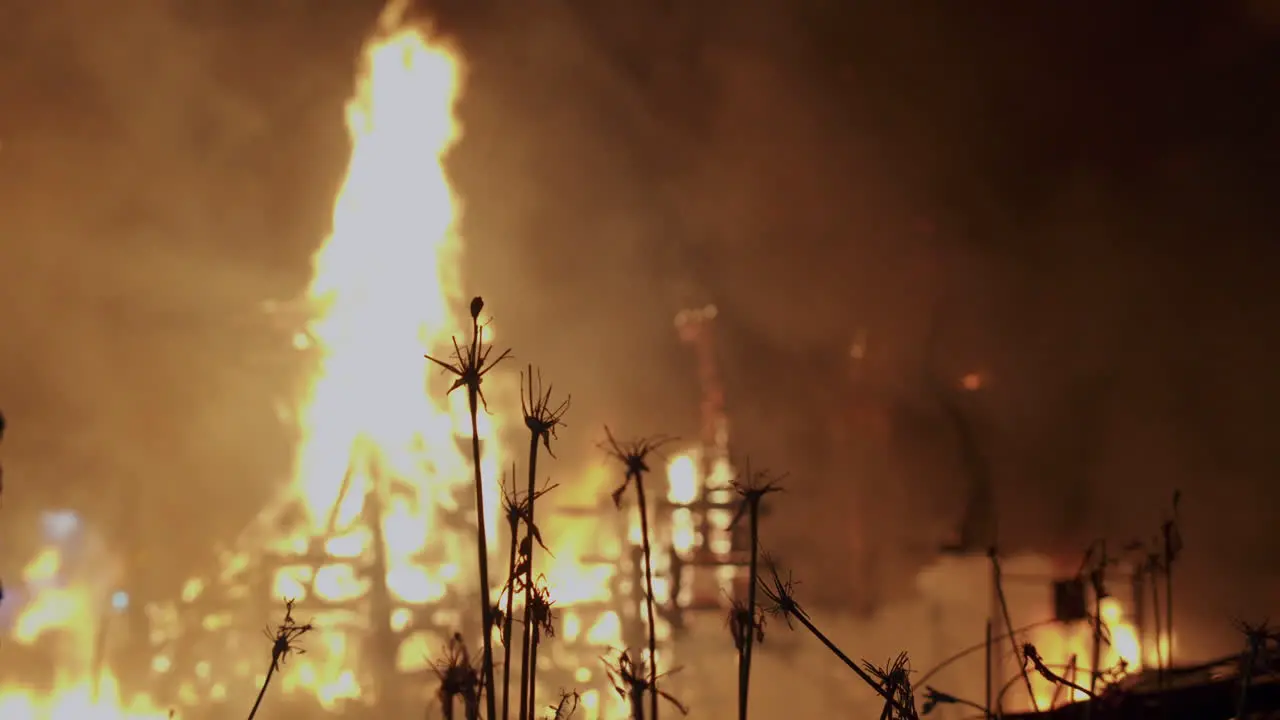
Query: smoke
x=158, y=181
x=1080, y=227
x=966, y=194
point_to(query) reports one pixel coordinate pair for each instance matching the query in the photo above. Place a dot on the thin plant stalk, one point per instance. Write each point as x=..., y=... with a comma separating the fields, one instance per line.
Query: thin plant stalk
x=748, y=637
x=987, y=674
x=1168, y=595
x=469, y=367
x=1095, y=659
x=648, y=597
x=1160, y=638
x=1098, y=592
x=283, y=644
x=526, y=679
x=542, y=419
x=779, y=592
x=813, y=630
x=1256, y=638
x=1072, y=675
x=533, y=671
x=636, y=697
x=486, y=618
x=752, y=487
x=1172, y=546
x=634, y=456
x=262, y=691
x=1008, y=624
x=513, y=521
x=627, y=677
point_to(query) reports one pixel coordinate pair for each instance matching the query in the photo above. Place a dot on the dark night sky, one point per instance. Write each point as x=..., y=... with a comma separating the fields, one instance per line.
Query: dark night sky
x=1075, y=201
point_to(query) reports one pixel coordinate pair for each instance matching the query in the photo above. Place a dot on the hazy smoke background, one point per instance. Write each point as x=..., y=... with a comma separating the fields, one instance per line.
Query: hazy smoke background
x=1075, y=203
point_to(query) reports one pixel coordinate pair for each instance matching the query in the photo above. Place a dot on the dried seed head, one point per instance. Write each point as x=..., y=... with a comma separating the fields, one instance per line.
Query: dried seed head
x=752, y=487
x=470, y=364
x=284, y=639
x=630, y=679
x=741, y=624
x=567, y=706
x=633, y=455
x=458, y=675
x=540, y=416
x=780, y=594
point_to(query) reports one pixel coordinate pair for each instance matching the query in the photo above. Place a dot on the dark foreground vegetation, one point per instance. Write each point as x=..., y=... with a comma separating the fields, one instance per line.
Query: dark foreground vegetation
x=474, y=686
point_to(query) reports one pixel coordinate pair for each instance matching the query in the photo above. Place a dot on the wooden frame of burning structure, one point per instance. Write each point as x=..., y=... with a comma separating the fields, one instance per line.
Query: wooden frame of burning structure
x=208, y=644
x=211, y=639
x=213, y=634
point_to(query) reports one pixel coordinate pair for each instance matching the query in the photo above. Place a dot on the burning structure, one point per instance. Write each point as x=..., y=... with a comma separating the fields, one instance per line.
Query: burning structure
x=373, y=536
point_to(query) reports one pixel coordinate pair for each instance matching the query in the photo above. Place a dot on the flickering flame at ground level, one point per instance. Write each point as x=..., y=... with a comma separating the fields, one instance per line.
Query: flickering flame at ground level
x=1068, y=651
x=68, y=616
x=76, y=701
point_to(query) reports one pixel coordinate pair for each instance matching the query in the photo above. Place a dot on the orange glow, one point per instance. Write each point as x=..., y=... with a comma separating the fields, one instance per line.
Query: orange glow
x=1058, y=644
x=385, y=290
x=75, y=612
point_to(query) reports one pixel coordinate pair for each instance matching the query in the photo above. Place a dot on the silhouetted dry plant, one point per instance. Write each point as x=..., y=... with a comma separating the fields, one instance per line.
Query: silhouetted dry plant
x=895, y=678
x=1033, y=656
x=742, y=622
x=459, y=679
x=542, y=419
x=567, y=705
x=511, y=508
x=1155, y=562
x=283, y=644
x=934, y=697
x=469, y=365
x=1095, y=564
x=633, y=682
x=634, y=456
x=752, y=487
x=541, y=622
x=747, y=627
x=1259, y=652
x=781, y=594
x=994, y=556
x=516, y=507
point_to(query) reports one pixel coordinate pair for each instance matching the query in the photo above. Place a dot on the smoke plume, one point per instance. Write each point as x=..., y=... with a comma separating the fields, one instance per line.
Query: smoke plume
x=1064, y=203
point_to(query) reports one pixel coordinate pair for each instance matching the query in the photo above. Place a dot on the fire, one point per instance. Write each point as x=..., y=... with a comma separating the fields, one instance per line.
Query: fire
x=1069, y=652
x=77, y=702
x=385, y=291
x=72, y=616
x=386, y=287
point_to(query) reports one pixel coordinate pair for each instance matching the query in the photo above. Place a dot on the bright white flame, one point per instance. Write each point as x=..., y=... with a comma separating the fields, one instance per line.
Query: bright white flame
x=386, y=289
